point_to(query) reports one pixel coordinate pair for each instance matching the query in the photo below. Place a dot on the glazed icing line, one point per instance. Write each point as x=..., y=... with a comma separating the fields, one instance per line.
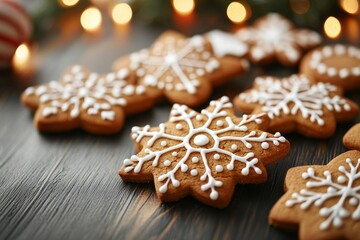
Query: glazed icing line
x=318, y=56
x=97, y=94
x=275, y=96
x=196, y=141
x=345, y=189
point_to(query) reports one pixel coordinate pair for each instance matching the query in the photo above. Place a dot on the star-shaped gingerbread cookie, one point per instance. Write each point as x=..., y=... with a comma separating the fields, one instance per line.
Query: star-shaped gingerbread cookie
x=274, y=37
x=185, y=70
x=297, y=104
x=81, y=99
x=351, y=139
x=323, y=202
x=203, y=154
x=336, y=64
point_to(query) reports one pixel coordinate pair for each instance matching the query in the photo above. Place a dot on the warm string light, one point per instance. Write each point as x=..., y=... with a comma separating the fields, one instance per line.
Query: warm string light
x=237, y=12
x=121, y=13
x=68, y=3
x=350, y=6
x=332, y=27
x=184, y=7
x=91, y=19
x=22, y=61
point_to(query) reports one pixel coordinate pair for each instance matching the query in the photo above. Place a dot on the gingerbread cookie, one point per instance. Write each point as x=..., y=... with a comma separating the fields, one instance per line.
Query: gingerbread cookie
x=337, y=64
x=351, y=139
x=297, y=104
x=323, y=202
x=96, y=103
x=274, y=37
x=203, y=154
x=184, y=70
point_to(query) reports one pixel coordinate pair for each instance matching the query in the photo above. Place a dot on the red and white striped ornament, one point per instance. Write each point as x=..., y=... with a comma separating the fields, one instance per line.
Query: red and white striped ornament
x=15, y=29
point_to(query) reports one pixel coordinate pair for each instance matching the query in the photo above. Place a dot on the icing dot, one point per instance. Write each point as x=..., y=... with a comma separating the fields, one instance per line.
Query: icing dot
x=343, y=73
x=194, y=172
x=219, y=123
x=179, y=126
x=201, y=140
x=353, y=201
x=167, y=163
x=265, y=145
x=341, y=179
x=234, y=147
x=195, y=159
x=198, y=117
x=134, y=135
x=184, y=167
x=216, y=156
x=163, y=143
x=174, y=154
x=331, y=71
x=214, y=195
x=219, y=168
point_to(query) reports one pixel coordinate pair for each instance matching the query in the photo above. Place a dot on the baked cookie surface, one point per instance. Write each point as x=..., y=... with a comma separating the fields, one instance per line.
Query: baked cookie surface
x=323, y=202
x=351, y=139
x=203, y=154
x=94, y=102
x=297, y=104
x=336, y=64
x=274, y=38
x=185, y=70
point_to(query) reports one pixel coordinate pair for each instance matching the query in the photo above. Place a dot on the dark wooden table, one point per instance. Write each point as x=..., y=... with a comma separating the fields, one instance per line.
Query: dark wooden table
x=65, y=186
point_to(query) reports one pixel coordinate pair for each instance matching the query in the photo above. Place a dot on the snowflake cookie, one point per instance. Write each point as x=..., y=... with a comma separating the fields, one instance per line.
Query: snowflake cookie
x=297, y=104
x=323, y=202
x=184, y=70
x=351, y=139
x=274, y=37
x=81, y=99
x=203, y=154
x=336, y=64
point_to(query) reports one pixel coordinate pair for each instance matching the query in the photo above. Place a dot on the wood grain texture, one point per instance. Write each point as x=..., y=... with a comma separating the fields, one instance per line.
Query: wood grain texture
x=65, y=186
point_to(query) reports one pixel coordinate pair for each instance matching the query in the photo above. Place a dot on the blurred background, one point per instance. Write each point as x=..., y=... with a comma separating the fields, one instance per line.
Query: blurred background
x=55, y=23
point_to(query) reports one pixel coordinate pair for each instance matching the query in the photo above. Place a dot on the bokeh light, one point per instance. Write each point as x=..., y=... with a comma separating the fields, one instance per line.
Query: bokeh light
x=236, y=12
x=121, y=13
x=184, y=7
x=91, y=19
x=300, y=6
x=68, y=3
x=22, y=54
x=350, y=6
x=332, y=27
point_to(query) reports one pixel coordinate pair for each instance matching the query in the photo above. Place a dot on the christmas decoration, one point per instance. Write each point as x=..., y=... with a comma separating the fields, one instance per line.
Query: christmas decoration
x=15, y=28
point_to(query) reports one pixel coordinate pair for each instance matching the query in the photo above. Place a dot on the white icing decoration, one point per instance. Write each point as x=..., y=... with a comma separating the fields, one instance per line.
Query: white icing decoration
x=201, y=140
x=216, y=156
x=219, y=123
x=345, y=190
x=172, y=64
x=179, y=126
x=295, y=94
x=194, y=172
x=318, y=57
x=219, y=168
x=195, y=159
x=94, y=93
x=187, y=144
x=274, y=34
x=166, y=163
x=234, y=147
x=226, y=44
